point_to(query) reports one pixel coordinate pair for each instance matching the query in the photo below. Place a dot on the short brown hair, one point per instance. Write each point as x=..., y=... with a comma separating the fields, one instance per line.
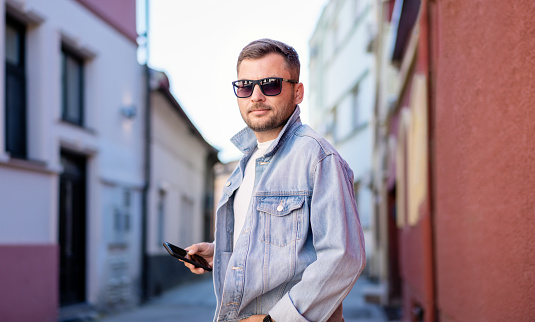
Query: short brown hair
x=262, y=47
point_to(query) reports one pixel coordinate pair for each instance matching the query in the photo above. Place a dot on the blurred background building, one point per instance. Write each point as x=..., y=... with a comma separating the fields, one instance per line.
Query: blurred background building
x=180, y=197
x=341, y=92
x=453, y=159
x=94, y=173
x=429, y=103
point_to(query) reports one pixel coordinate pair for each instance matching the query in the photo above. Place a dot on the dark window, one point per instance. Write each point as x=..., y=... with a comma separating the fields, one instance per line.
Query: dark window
x=72, y=109
x=15, y=89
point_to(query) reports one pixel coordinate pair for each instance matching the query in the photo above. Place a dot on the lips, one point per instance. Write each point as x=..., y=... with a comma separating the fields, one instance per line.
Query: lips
x=259, y=109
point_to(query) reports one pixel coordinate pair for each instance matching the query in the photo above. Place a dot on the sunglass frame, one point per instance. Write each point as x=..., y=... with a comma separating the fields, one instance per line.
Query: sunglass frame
x=259, y=83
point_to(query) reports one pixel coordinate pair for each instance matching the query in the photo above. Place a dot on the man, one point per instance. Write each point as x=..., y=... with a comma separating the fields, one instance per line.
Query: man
x=288, y=244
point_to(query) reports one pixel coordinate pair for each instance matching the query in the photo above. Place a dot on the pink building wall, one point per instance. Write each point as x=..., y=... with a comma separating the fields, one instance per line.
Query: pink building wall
x=31, y=291
x=121, y=14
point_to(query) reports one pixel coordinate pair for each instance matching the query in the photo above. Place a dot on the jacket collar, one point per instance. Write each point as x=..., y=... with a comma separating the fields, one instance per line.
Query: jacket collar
x=245, y=140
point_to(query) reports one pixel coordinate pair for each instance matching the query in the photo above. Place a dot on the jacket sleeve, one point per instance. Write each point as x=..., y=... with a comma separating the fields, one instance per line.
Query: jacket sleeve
x=339, y=246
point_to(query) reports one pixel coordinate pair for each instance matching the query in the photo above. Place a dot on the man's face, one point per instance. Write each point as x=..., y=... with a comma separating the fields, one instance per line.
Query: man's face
x=267, y=115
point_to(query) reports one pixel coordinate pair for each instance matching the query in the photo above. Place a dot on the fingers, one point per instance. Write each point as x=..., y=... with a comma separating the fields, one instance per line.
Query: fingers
x=202, y=249
x=205, y=250
x=196, y=249
x=193, y=269
x=193, y=249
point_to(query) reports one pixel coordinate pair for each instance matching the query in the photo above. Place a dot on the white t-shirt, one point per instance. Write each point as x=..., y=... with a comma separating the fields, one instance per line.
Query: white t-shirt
x=244, y=193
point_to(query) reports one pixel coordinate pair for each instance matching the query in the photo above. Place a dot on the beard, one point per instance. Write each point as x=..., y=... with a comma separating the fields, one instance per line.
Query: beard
x=277, y=119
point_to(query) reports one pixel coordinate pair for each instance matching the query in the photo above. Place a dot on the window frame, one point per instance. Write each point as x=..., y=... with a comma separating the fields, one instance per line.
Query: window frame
x=19, y=149
x=68, y=53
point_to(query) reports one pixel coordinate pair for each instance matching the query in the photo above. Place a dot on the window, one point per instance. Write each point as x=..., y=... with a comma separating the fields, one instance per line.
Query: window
x=72, y=109
x=15, y=118
x=161, y=218
x=186, y=222
x=355, y=107
x=330, y=125
x=127, y=197
x=122, y=217
x=314, y=51
x=335, y=35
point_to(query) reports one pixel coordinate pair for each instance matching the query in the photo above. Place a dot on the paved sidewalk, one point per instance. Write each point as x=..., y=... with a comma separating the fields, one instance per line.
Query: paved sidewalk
x=356, y=309
x=195, y=302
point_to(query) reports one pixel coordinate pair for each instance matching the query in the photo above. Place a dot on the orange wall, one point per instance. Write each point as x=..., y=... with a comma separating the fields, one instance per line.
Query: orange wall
x=484, y=160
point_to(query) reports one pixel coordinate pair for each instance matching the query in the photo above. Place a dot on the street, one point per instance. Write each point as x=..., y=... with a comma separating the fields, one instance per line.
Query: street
x=195, y=302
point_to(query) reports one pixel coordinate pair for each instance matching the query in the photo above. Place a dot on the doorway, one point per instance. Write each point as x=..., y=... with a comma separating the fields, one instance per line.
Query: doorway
x=72, y=228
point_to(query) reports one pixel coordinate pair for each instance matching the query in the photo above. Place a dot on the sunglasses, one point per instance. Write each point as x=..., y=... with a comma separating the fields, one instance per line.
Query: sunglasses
x=271, y=86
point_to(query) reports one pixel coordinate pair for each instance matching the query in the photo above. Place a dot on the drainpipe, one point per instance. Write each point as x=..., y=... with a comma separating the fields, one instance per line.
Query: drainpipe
x=147, y=167
x=431, y=132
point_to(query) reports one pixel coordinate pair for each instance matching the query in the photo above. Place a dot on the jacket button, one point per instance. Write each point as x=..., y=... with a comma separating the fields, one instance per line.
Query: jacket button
x=280, y=208
x=227, y=184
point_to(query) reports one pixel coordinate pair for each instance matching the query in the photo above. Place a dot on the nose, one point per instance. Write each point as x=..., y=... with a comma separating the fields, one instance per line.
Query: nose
x=257, y=95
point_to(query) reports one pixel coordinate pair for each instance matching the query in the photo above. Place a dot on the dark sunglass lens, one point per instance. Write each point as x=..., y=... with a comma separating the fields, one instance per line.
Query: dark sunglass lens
x=271, y=86
x=243, y=89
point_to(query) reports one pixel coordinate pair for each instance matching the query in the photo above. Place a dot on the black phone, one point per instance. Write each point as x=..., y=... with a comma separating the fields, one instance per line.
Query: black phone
x=182, y=254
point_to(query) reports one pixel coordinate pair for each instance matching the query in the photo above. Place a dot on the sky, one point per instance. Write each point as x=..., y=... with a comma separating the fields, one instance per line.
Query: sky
x=197, y=43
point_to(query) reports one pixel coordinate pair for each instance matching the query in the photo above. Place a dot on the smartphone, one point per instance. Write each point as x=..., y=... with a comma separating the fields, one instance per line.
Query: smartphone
x=182, y=254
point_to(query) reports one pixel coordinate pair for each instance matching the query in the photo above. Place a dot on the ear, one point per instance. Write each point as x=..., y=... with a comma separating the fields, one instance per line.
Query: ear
x=299, y=92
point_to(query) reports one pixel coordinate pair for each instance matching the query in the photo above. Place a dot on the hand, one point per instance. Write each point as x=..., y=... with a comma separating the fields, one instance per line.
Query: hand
x=254, y=318
x=205, y=250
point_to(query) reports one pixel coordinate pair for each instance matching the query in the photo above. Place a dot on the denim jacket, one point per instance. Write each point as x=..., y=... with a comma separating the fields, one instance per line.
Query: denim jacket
x=301, y=248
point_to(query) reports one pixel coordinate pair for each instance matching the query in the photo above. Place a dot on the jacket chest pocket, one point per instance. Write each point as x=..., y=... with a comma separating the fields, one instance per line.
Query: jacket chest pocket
x=280, y=219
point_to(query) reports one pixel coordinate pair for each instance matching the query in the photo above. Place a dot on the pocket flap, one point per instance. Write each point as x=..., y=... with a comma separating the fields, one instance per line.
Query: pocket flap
x=280, y=206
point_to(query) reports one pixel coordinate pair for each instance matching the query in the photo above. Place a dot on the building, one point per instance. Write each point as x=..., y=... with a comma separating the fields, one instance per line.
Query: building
x=222, y=174
x=80, y=199
x=181, y=192
x=69, y=159
x=454, y=177
x=342, y=92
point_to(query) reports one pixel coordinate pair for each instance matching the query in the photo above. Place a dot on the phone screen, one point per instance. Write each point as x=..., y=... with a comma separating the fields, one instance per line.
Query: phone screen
x=182, y=254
